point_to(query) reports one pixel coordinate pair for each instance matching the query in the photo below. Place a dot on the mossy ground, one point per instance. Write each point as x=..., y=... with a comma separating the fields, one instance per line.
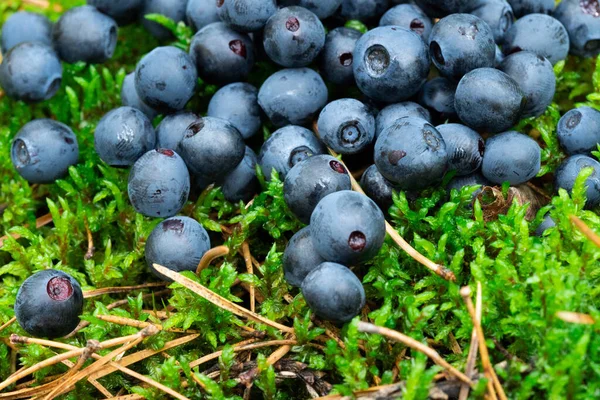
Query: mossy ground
x=526, y=280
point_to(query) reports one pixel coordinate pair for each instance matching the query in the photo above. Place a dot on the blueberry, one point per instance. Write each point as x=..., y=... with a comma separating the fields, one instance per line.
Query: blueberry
x=442, y=8
x=292, y=96
x=546, y=224
x=123, y=135
x=212, y=148
x=246, y=15
x=437, y=95
x=411, y=153
x=539, y=33
x=165, y=78
x=300, y=257
x=568, y=171
x=347, y=227
x=238, y=104
x=293, y=37
x=200, y=13
x=49, y=304
x=159, y=184
x=221, y=54
x=23, y=27
x=363, y=10
x=323, y=9
x=394, y=112
x=333, y=292
x=287, y=147
x=408, y=16
x=311, y=180
x=123, y=11
x=171, y=129
x=511, y=157
x=390, y=63
x=31, y=72
x=465, y=148
x=177, y=243
x=580, y=18
x=578, y=130
x=524, y=7
x=241, y=184
x=346, y=126
x=129, y=97
x=474, y=179
x=377, y=187
x=535, y=76
x=85, y=34
x=336, y=59
x=43, y=150
x=460, y=43
x=498, y=14
x=489, y=100
x=173, y=9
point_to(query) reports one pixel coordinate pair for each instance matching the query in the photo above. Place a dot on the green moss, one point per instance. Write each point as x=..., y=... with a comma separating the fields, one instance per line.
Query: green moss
x=526, y=279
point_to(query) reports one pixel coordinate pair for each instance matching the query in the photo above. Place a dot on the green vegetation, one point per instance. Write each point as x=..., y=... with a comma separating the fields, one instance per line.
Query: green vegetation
x=526, y=279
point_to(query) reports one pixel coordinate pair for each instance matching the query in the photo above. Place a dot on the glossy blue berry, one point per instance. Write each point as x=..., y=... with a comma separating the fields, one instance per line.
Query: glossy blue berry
x=498, y=14
x=171, y=129
x=130, y=97
x=177, y=243
x=465, y=148
x=346, y=126
x=221, y=54
x=377, y=188
x=246, y=15
x=474, y=179
x=333, y=292
x=286, y=147
x=411, y=153
x=49, y=304
x=43, y=150
x=570, y=169
x=292, y=96
x=293, y=37
x=165, y=79
x=336, y=59
x=390, y=63
x=546, y=224
x=238, y=104
x=311, y=180
x=200, y=13
x=511, y=157
x=122, y=11
x=488, y=100
x=408, y=16
x=123, y=135
x=300, y=257
x=31, y=72
x=159, y=184
x=581, y=19
x=347, y=227
x=85, y=34
x=24, y=26
x=172, y=9
x=394, y=112
x=578, y=130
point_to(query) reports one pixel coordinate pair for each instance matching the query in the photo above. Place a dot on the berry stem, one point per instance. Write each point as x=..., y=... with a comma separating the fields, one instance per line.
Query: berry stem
x=250, y=269
x=473, y=348
x=210, y=256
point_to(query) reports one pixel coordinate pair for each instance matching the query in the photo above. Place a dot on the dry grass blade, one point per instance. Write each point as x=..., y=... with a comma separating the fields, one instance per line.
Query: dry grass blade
x=127, y=397
x=210, y=256
x=122, y=289
x=575, y=318
x=41, y=221
x=465, y=292
x=139, y=324
x=8, y=323
x=149, y=381
x=250, y=270
x=472, y=357
x=583, y=228
x=415, y=345
x=239, y=347
x=220, y=301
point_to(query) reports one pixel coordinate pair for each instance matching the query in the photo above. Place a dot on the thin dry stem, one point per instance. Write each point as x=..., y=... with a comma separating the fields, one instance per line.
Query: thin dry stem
x=472, y=357
x=149, y=381
x=575, y=318
x=220, y=301
x=210, y=256
x=41, y=221
x=8, y=323
x=122, y=289
x=239, y=347
x=250, y=269
x=465, y=292
x=247, y=378
x=583, y=228
x=415, y=345
x=139, y=324
x=90, y=250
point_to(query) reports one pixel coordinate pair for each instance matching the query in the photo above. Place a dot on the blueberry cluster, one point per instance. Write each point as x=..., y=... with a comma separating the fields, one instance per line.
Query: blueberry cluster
x=432, y=80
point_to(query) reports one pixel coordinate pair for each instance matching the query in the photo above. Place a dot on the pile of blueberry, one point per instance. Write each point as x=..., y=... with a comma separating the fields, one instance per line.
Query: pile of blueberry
x=439, y=85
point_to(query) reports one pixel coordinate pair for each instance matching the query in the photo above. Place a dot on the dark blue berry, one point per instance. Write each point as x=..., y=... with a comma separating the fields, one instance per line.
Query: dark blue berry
x=570, y=169
x=465, y=148
x=582, y=21
x=122, y=11
x=336, y=59
x=511, y=157
x=200, y=13
x=241, y=184
x=173, y=9
x=408, y=16
x=498, y=14
x=363, y=10
x=171, y=129
x=130, y=97
x=578, y=130
x=524, y=7
x=246, y=15
x=323, y=9
x=438, y=96
x=24, y=26
x=346, y=126
x=300, y=257
x=394, y=112
x=238, y=104
x=377, y=188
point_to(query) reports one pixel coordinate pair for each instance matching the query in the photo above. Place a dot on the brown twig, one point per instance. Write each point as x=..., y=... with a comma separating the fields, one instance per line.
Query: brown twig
x=90, y=250
x=210, y=255
x=149, y=381
x=488, y=369
x=8, y=323
x=472, y=357
x=41, y=221
x=250, y=269
x=113, y=319
x=238, y=348
x=220, y=301
x=575, y=318
x=122, y=289
x=583, y=228
x=415, y=345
